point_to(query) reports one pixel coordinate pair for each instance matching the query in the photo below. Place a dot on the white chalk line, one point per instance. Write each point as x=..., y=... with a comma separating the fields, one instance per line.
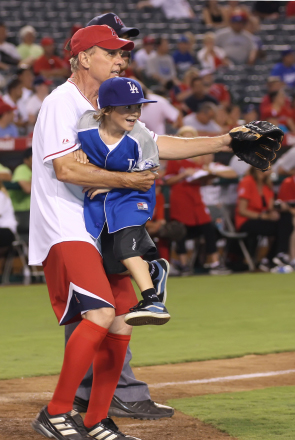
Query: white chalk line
x=222, y=379
x=10, y=397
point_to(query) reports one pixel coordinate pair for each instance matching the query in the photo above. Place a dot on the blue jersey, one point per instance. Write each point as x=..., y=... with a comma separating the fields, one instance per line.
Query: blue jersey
x=120, y=208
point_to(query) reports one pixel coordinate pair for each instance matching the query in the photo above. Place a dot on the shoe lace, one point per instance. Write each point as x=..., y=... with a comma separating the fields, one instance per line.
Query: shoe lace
x=141, y=304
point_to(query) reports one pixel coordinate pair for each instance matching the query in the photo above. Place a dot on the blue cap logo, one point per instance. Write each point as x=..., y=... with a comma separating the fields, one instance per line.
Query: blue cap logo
x=121, y=91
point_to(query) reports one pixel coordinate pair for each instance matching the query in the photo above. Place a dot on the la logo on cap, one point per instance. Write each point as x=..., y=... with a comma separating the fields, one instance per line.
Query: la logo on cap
x=133, y=88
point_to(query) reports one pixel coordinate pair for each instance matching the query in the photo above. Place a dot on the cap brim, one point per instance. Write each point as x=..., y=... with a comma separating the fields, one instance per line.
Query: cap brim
x=139, y=101
x=131, y=32
x=116, y=43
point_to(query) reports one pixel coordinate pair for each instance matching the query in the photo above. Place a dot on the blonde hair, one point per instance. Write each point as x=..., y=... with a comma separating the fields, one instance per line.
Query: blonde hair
x=186, y=128
x=100, y=115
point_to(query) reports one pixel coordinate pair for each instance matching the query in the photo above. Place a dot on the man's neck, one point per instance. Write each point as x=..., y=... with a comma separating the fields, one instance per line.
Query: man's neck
x=87, y=86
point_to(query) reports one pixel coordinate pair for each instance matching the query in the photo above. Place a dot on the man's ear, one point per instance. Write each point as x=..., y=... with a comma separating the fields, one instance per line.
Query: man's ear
x=84, y=59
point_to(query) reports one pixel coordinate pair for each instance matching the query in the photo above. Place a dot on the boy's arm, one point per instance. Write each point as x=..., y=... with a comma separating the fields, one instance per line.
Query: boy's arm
x=173, y=148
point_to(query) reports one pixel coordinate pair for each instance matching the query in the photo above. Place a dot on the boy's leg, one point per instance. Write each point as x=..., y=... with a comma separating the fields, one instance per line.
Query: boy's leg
x=150, y=310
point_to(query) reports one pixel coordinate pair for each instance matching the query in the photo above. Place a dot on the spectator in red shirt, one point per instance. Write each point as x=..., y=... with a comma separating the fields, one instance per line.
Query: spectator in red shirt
x=278, y=110
x=286, y=199
x=290, y=9
x=187, y=207
x=219, y=91
x=255, y=214
x=50, y=65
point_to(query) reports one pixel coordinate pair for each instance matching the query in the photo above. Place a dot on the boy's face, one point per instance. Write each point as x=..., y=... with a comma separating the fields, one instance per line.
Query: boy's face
x=124, y=117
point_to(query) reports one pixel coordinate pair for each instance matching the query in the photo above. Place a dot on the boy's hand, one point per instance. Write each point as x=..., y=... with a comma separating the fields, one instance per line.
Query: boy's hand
x=80, y=156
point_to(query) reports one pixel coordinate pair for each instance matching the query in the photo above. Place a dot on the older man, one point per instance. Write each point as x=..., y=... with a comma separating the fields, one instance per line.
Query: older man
x=78, y=287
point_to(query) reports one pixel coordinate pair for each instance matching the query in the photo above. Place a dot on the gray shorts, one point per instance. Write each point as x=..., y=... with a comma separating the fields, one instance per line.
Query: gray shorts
x=126, y=243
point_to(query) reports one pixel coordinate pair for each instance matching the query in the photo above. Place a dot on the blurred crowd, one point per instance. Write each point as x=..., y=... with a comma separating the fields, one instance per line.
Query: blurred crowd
x=197, y=199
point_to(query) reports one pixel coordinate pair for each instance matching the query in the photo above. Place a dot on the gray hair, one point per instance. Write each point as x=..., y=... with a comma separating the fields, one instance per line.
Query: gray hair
x=74, y=61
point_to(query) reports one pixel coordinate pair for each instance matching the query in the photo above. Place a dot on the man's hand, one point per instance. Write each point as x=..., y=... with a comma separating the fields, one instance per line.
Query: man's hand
x=142, y=181
x=92, y=192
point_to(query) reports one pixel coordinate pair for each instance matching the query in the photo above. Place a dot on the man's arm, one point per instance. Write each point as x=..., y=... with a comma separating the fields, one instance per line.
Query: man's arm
x=68, y=170
x=171, y=147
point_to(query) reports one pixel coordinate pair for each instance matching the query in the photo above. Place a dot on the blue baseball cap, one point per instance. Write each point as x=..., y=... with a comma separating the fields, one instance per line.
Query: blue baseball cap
x=121, y=91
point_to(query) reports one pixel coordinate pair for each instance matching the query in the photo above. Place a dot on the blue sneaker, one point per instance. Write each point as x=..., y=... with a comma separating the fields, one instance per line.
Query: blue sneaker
x=161, y=280
x=147, y=313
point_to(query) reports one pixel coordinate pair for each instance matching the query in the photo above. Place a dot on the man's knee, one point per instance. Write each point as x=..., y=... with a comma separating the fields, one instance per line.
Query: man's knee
x=103, y=317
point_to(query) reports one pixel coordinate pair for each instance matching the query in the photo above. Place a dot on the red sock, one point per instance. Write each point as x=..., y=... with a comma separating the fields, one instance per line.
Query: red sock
x=107, y=367
x=79, y=355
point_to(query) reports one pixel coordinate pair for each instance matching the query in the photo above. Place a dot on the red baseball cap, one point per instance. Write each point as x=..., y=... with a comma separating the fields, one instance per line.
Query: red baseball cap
x=103, y=36
x=5, y=108
x=47, y=41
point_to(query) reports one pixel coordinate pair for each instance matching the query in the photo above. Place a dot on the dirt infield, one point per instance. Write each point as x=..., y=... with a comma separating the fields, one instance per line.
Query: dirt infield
x=21, y=399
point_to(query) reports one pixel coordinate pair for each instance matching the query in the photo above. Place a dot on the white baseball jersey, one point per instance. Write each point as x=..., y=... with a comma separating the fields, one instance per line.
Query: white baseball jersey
x=56, y=213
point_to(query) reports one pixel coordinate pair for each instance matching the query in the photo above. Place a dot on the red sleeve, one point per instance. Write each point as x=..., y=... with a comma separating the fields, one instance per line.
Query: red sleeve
x=59, y=63
x=172, y=168
x=38, y=65
x=286, y=191
x=245, y=189
x=159, y=213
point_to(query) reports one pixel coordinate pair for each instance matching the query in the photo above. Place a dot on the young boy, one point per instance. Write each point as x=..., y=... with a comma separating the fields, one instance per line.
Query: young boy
x=114, y=139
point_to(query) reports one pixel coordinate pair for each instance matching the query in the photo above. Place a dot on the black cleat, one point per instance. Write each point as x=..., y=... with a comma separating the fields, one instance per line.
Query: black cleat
x=107, y=429
x=143, y=410
x=68, y=425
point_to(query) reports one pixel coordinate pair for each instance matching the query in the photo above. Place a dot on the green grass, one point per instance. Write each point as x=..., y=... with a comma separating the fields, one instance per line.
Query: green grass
x=212, y=317
x=253, y=415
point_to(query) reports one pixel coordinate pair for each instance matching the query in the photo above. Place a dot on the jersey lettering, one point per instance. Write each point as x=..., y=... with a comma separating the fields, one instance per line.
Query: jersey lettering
x=133, y=88
x=130, y=163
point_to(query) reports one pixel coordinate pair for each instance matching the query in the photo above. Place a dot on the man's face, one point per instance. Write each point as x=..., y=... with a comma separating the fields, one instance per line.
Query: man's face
x=104, y=64
x=238, y=26
x=198, y=87
x=124, y=117
x=289, y=59
x=49, y=50
x=27, y=78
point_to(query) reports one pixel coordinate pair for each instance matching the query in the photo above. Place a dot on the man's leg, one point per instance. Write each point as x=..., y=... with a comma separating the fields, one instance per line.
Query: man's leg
x=129, y=389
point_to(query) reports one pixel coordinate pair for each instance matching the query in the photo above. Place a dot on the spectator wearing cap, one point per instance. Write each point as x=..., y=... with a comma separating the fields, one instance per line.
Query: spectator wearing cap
x=7, y=128
x=115, y=22
x=238, y=44
x=161, y=67
x=50, y=65
x=285, y=70
x=9, y=55
x=211, y=56
x=41, y=87
x=203, y=120
x=250, y=113
x=28, y=50
x=182, y=56
x=142, y=56
x=12, y=97
x=198, y=95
